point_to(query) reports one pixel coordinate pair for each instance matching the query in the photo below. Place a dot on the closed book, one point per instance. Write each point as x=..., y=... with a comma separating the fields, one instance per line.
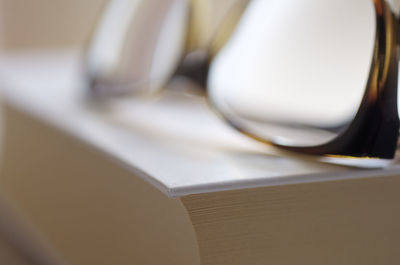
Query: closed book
x=164, y=181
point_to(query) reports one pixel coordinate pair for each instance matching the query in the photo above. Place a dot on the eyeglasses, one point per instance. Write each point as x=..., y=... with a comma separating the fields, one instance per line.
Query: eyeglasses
x=139, y=44
x=317, y=77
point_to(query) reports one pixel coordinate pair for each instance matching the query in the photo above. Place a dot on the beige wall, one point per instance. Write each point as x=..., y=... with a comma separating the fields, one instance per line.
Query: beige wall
x=47, y=23
x=67, y=23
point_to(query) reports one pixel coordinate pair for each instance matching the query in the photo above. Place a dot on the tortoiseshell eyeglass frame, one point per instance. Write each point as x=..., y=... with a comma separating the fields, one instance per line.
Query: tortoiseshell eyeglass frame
x=375, y=129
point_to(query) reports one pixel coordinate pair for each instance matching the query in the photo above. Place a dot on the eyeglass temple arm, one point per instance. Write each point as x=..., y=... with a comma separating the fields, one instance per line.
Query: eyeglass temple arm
x=395, y=6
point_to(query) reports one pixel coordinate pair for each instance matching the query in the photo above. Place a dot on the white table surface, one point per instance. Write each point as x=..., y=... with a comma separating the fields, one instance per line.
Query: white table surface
x=174, y=141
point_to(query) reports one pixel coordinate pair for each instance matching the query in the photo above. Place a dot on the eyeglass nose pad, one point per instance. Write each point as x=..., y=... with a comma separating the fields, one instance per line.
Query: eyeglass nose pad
x=136, y=46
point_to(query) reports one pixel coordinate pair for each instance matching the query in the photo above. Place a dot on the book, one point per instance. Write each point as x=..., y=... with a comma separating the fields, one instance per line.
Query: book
x=164, y=181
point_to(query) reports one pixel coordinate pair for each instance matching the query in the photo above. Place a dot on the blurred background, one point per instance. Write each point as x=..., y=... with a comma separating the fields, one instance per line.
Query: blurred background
x=54, y=24
x=47, y=24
